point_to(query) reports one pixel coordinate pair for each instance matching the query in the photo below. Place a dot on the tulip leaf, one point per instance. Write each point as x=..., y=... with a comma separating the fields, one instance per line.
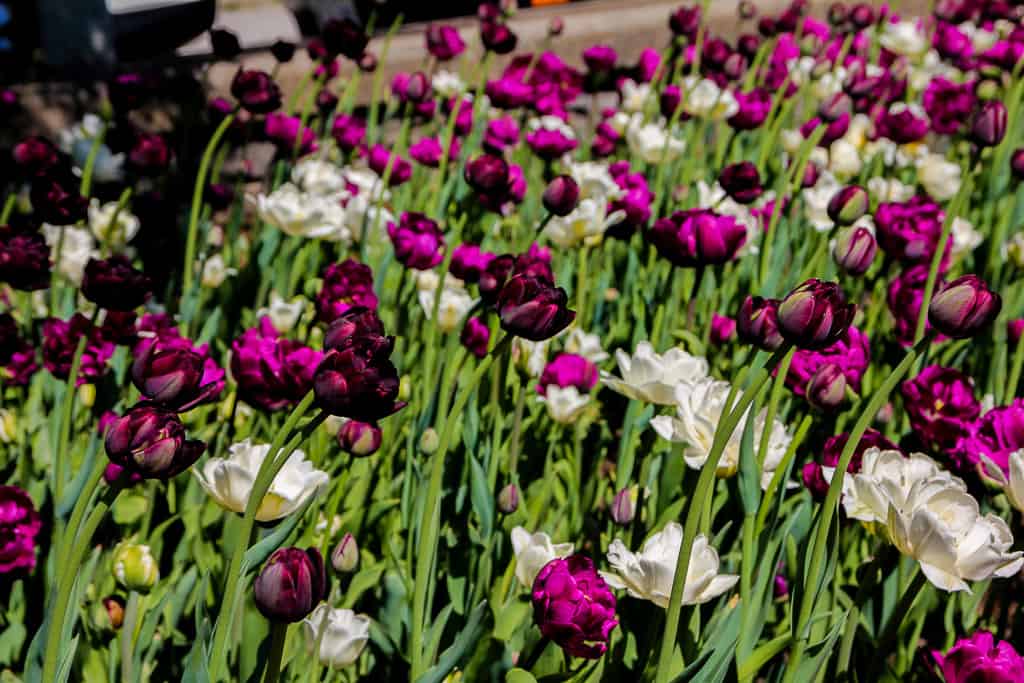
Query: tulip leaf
x=455, y=654
x=78, y=483
x=482, y=497
x=519, y=676
x=258, y=554
x=750, y=476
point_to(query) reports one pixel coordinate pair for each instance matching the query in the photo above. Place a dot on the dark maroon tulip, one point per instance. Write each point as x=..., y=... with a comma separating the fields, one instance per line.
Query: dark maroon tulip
x=418, y=241
x=848, y=205
x=494, y=277
x=115, y=285
x=963, y=307
x=487, y=174
x=670, y=100
x=748, y=44
x=826, y=390
x=150, y=442
x=561, y=195
x=171, y=378
x=416, y=89
x=345, y=285
x=359, y=438
x=358, y=382
x=1017, y=163
x=10, y=341
x=835, y=107
x=815, y=315
x=855, y=250
x=290, y=585
x=697, y=237
x=862, y=15
x=497, y=37
x=55, y=199
x=989, y=125
x=344, y=37
x=533, y=309
x=220, y=195
x=256, y=91
x=757, y=323
x=685, y=22
x=368, y=63
x=444, y=42
x=224, y=44
x=476, y=337
x=741, y=181
x=34, y=155
x=151, y=155
x=356, y=322
x=271, y=371
x=24, y=260
x=283, y=51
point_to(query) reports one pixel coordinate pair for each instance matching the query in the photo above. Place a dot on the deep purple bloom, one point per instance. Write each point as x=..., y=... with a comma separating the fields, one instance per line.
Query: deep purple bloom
x=358, y=382
x=757, y=323
x=741, y=181
x=848, y=205
x=476, y=337
x=356, y=323
x=532, y=308
x=344, y=37
x=150, y=442
x=901, y=124
x=469, y=261
x=600, y=58
x=754, y=107
x=418, y=241
x=256, y=91
x=948, y=104
x=980, y=659
x=550, y=144
x=561, y=195
x=723, y=329
x=497, y=37
x=855, y=250
x=487, y=174
x=34, y=155
x=697, y=237
x=568, y=370
x=963, y=307
x=360, y=439
x=574, y=607
x=989, y=125
x=290, y=585
x=909, y=231
x=24, y=260
x=19, y=526
x=381, y=161
x=444, y=42
x=288, y=133
x=851, y=354
x=55, y=199
x=429, y=151
x=60, y=339
x=941, y=405
x=272, y=373
x=833, y=129
x=998, y=434
x=685, y=21
x=501, y=133
x=150, y=155
x=905, y=297
x=348, y=132
x=345, y=284
x=173, y=375
x=115, y=285
x=815, y=315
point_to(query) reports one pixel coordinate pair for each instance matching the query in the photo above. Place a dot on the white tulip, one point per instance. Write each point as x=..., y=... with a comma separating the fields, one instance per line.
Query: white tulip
x=816, y=201
x=367, y=183
x=939, y=178
x=110, y=226
x=595, y=181
x=585, y=225
x=533, y=551
x=284, y=315
x=649, y=574
x=229, y=481
x=634, y=95
x=1014, y=249
x=904, y=38
x=532, y=356
x=552, y=123
x=215, y=271
x=889, y=190
x=361, y=215
x=1013, y=485
x=342, y=635
x=585, y=344
x=318, y=177
x=448, y=84
x=700, y=406
x=652, y=143
x=451, y=310
x=429, y=281
x=8, y=426
x=704, y=99
x=565, y=405
x=844, y=159
x=965, y=238
x=70, y=248
x=651, y=377
x=301, y=214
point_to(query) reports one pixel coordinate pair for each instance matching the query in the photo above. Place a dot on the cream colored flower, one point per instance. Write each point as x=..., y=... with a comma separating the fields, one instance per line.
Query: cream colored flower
x=889, y=190
x=585, y=344
x=229, y=481
x=651, y=377
x=595, y=181
x=110, y=226
x=704, y=99
x=318, y=177
x=965, y=238
x=1013, y=485
x=906, y=38
x=448, y=84
x=844, y=159
x=533, y=551
x=302, y=214
x=565, y=405
x=284, y=315
x=816, y=201
x=72, y=251
x=651, y=142
x=634, y=95
x=342, y=635
x=585, y=225
x=452, y=308
x=649, y=574
x=939, y=178
x=215, y=271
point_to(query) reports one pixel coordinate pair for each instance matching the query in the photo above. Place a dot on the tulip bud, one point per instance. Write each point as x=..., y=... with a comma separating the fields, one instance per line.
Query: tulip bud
x=115, y=285
x=741, y=181
x=826, y=390
x=556, y=26
x=8, y=426
x=283, y=51
x=780, y=587
x=747, y=10
x=989, y=125
x=623, y=508
x=290, y=585
x=171, y=378
x=497, y=38
x=561, y=195
x=531, y=308
x=355, y=323
x=134, y=567
x=487, y=174
x=811, y=173
x=1017, y=163
x=508, y=499
x=757, y=323
x=862, y=16
x=815, y=315
x=837, y=14
x=988, y=88
x=964, y=307
x=359, y=438
x=848, y=205
x=417, y=88
x=835, y=107
x=429, y=441
x=256, y=91
x=368, y=63
x=345, y=558
x=150, y=442
x=114, y=607
x=855, y=250
x=87, y=394
x=670, y=100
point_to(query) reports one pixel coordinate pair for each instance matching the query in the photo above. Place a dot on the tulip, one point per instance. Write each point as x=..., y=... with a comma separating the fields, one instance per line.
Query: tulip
x=115, y=285
x=55, y=200
x=34, y=155
x=741, y=181
x=383, y=162
x=224, y=44
x=290, y=585
x=444, y=42
x=855, y=249
x=531, y=308
x=497, y=37
x=19, y=526
x=476, y=337
x=980, y=658
x=272, y=372
x=600, y=58
x=150, y=442
x=151, y=155
x=355, y=323
x=24, y=260
x=256, y=91
x=508, y=499
x=134, y=566
x=345, y=556
x=469, y=262
x=826, y=389
x=359, y=438
x=561, y=195
x=338, y=635
x=60, y=339
x=989, y=125
x=848, y=204
x=283, y=51
x=963, y=307
x=574, y=607
x=623, y=508
x=418, y=241
x=757, y=323
x=685, y=22
x=345, y=285
x=835, y=107
x=344, y=37
x=698, y=237
x=358, y=382
x=1017, y=163
x=815, y=315
x=172, y=377
x=487, y=174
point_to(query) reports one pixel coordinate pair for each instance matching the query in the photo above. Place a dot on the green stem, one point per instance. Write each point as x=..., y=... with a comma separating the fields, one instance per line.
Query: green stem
x=66, y=414
x=902, y=609
x=1015, y=369
x=197, y=204
x=9, y=203
x=278, y=635
x=90, y=162
x=819, y=548
x=773, y=406
x=705, y=487
x=131, y=613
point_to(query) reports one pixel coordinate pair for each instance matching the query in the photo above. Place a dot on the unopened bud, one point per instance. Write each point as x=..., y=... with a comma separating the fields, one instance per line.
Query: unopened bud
x=359, y=438
x=508, y=499
x=848, y=204
x=989, y=125
x=87, y=394
x=135, y=567
x=556, y=26
x=429, y=441
x=624, y=507
x=561, y=195
x=826, y=390
x=855, y=250
x=114, y=607
x=345, y=558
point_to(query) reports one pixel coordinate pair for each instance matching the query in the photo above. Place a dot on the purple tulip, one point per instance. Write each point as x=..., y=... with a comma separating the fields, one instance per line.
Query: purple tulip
x=173, y=375
x=848, y=204
x=815, y=315
x=501, y=133
x=381, y=161
x=561, y=195
x=497, y=37
x=115, y=285
x=826, y=389
x=757, y=323
x=550, y=144
x=24, y=260
x=697, y=237
x=754, y=107
x=150, y=155
x=35, y=155
x=941, y=405
x=532, y=308
x=909, y=231
x=963, y=307
x=830, y=452
x=574, y=607
x=60, y=340
x=272, y=373
x=345, y=285
x=418, y=241
x=55, y=199
x=290, y=585
x=19, y=526
x=741, y=181
x=487, y=174
x=358, y=382
x=256, y=91
x=356, y=323
x=723, y=329
x=851, y=354
x=948, y=104
x=289, y=135
x=905, y=297
x=348, y=132
x=980, y=659
x=360, y=439
x=989, y=125
x=344, y=37
x=476, y=337
x=568, y=370
x=469, y=261
x=998, y=434
x=150, y=442
x=901, y=125
x=855, y=250
x=600, y=58
x=444, y=42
